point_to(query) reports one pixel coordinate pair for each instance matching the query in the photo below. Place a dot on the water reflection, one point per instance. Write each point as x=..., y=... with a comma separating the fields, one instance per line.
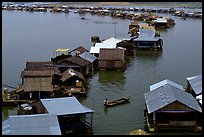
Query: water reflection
x=111, y=77
x=148, y=54
x=9, y=110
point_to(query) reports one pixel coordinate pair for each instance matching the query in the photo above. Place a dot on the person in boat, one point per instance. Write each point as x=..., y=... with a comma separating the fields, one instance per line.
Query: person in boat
x=106, y=101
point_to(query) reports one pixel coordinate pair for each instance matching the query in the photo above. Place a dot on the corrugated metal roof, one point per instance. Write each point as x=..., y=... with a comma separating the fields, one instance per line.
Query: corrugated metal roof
x=146, y=34
x=196, y=83
x=165, y=82
x=109, y=43
x=64, y=106
x=167, y=94
x=38, y=124
x=88, y=56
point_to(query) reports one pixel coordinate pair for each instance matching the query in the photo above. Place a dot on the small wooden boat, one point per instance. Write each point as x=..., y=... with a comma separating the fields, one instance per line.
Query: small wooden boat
x=117, y=102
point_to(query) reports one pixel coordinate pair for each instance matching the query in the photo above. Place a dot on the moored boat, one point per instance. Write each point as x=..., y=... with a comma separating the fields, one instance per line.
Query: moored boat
x=117, y=102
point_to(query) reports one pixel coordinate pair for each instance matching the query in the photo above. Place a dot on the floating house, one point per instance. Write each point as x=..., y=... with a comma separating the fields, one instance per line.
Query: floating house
x=75, y=62
x=72, y=115
x=54, y=116
x=37, y=80
x=169, y=107
x=60, y=54
x=89, y=57
x=194, y=87
x=147, y=39
x=72, y=81
x=110, y=43
x=111, y=59
x=42, y=124
x=134, y=28
x=162, y=23
x=127, y=45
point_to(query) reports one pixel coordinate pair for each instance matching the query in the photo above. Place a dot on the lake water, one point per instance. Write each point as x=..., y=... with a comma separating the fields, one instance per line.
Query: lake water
x=34, y=36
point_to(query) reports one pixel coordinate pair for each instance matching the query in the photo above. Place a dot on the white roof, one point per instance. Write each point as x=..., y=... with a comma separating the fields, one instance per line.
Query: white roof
x=165, y=82
x=161, y=20
x=199, y=98
x=108, y=43
x=64, y=106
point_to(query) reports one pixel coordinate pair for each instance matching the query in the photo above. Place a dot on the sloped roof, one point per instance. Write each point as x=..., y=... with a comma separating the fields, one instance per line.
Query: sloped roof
x=146, y=34
x=79, y=50
x=37, y=124
x=167, y=94
x=88, y=56
x=165, y=82
x=70, y=73
x=39, y=65
x=64, y=106
x=108, y=43
x=37, y=73
x=38, y=84
x=77, y=60
x=111, y=54
x=196, y=83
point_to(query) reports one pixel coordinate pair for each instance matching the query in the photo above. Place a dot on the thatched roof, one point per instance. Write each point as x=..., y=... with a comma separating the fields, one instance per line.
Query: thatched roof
x=111, y=54
x=39, y=65
x=38, y=84
x=37, y=73
x=70, y=73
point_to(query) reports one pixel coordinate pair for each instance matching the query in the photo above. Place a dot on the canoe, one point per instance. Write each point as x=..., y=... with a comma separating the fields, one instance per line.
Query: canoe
x=117, y=102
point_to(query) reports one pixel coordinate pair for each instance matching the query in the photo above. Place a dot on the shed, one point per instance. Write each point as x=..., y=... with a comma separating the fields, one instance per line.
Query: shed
x=72, y=115
x=194, y=85
x=40, y=124
x=68, y=106
x=111, y=59
x=168, y=106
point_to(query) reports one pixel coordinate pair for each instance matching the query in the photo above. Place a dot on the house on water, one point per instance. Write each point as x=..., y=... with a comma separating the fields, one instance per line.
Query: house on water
x=110, y=43
x=169, y=107
x=54, y=116
x=37, y=80
x=72, y=82
x=147, y=39
x=77, y=63
x=73, y=117
x=194, y=87
x=41, y=124
x=162, y=23
x=111, y=59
